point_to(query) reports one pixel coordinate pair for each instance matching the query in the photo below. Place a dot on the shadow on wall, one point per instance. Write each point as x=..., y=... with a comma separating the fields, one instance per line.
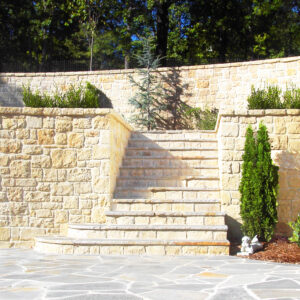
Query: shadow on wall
x=174, y=90
x=10, y=94
x=104, y=101
x=234, y=229
x=289, y=191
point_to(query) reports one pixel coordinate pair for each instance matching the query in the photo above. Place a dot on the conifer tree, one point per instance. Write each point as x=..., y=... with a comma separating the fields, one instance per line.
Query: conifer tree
x=147, y=99
x=258, y=186
x=268, y=177
x=248, y=187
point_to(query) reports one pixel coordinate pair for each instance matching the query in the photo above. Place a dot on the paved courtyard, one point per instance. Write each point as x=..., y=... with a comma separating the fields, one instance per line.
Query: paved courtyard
x=25, y=274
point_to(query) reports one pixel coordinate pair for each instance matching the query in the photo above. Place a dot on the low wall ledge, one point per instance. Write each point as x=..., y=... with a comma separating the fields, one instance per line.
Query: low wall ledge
x=259, y=112
x=75, y=112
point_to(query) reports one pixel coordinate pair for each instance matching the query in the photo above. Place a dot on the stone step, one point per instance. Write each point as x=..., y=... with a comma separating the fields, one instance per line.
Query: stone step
x=167, y=192
x=143, y=172
x=164, y=218
x=65, y=245
x=156, y=205
x=177, y=153
x=188, y=181
x=174, y=162
x=171, y=144
x=173, y=135
x=161, y=232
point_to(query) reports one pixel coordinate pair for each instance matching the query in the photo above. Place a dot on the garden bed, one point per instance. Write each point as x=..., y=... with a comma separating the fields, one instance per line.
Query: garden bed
x=279, y=249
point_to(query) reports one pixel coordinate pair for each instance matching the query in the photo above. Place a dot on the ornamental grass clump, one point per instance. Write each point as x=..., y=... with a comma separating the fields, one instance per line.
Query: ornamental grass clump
x=259, y=186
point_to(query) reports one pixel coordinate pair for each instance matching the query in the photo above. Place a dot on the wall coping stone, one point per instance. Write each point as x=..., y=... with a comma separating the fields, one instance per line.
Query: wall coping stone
x=75, y=112
x=128, y=71
x=254, y=113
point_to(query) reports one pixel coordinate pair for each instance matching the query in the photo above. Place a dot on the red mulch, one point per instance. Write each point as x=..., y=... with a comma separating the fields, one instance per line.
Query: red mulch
x=279, y=249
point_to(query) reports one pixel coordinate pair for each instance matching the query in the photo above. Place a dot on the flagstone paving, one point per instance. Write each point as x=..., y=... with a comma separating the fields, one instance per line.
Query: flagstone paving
x=26, y=274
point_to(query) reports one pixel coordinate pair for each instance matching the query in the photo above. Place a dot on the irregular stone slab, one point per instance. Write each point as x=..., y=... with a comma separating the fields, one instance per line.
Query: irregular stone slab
x=277, y=293
x=178, y=295
x=278, y=284
x=232, y=294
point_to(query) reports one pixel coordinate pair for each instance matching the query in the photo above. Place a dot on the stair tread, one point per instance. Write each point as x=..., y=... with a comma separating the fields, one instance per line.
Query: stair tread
x=149, y=227
x=163, y=213
x=171, y=168
x=172, y=188
x=113, y=242
x=147, y=140
x=171, y=149
x=145, y=200
x=171, y=157
x=169, y=177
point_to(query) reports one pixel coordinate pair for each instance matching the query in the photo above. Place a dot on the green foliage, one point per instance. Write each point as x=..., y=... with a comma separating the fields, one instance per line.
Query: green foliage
x=88, y=97
x=296, y=231
x=259, y=186
x=268, y=98
x=147, y=99
x=291, y=98
x=196, y=118
x=188, y=32
x=273, y=98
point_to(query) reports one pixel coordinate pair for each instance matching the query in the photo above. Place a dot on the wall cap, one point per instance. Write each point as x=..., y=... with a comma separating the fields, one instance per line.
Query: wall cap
x=165, y=69
x=75, y=112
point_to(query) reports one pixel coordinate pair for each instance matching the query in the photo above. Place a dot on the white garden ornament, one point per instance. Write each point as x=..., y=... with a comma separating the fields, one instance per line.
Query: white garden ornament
x=249, y=247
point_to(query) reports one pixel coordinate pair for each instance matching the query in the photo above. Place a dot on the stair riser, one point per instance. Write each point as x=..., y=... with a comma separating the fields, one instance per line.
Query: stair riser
x=164, y=182
x=131, y=250
x=178, y=195
x=168, y=207
x=170, y=154
x=147, y=234
x=170, y=163
x=173, y=144
x=161, y=172
x=172, y=136
x=142, y=220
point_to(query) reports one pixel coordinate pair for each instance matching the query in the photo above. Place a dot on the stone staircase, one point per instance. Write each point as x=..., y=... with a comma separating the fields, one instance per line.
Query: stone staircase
x=166, y=202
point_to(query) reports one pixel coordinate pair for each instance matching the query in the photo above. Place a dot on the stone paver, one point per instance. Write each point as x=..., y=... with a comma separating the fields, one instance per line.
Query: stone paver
x=26, y=274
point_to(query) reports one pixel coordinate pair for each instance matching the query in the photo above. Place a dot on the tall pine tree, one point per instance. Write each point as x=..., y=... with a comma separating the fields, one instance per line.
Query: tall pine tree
x=147, y=99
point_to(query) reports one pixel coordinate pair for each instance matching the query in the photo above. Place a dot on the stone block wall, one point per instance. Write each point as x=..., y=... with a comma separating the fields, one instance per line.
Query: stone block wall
x=57, y=166
x=225, y=86
x=284, y=132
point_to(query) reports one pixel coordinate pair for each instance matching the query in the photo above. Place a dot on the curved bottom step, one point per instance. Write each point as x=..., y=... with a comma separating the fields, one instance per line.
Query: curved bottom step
x=65, y=245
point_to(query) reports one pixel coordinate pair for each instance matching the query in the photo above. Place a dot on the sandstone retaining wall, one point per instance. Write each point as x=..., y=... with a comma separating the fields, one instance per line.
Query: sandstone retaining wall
x=57, y=166
x=224, y=86
x=284, y=131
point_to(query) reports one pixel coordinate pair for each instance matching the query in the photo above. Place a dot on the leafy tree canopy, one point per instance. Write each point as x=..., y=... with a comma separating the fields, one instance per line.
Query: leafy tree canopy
x=109, y=33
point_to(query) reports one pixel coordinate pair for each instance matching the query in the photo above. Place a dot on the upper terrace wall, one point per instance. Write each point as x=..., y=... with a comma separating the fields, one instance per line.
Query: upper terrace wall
x=57, y=166
x=222, y=85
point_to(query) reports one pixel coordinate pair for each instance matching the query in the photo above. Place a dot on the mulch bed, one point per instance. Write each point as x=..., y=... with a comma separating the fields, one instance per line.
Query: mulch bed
x=279, y=249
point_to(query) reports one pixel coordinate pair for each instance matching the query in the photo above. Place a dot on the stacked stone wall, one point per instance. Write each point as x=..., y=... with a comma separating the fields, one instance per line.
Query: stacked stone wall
x=284, y=131
x=224, y=86
x=57, y=166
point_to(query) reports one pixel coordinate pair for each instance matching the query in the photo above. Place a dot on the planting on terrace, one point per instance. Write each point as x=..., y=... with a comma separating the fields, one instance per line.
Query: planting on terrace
x=259, y=186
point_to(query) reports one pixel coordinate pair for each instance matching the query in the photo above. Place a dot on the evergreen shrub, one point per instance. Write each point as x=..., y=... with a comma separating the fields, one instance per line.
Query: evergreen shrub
x=296, y=231
x=196, y=118
x=268, y=98
x=259, y=186
x=75, y=97
x=272, y=98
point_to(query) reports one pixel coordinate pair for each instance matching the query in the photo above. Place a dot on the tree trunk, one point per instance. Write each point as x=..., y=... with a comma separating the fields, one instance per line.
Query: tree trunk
x=162, y=23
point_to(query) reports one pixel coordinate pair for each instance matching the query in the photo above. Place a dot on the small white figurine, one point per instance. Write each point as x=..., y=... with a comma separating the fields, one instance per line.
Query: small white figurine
x=249, y=247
